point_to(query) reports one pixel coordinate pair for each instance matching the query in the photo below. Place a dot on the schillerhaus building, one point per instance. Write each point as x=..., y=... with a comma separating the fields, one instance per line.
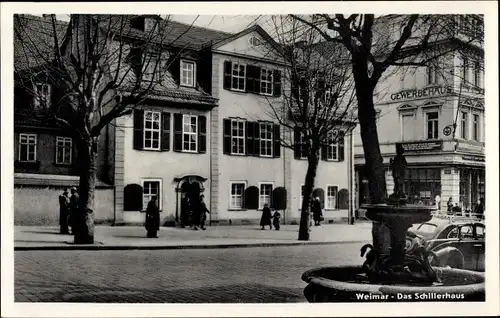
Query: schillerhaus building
x=437, y=114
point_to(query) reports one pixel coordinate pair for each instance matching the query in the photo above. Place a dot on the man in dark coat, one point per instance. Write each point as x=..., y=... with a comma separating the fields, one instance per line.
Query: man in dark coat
x=152, y=218
x=265, y=219
x=201, y=213
x=479, y=210
x=316, y=210
x=73, y=209
x=64, y=212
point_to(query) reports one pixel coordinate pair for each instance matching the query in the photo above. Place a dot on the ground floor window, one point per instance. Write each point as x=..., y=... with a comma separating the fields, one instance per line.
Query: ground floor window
x=237, y=191
x=331, y=197
x=150, y=188
x=265, y=194
x=422, y=185
x=472, y=187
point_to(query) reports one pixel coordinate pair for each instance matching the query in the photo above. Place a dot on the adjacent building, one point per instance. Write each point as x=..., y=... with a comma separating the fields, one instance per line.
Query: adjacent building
x=45, y=156
x=437, y=114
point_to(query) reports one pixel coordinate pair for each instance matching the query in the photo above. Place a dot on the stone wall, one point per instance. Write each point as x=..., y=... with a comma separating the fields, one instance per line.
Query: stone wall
x=40, y=205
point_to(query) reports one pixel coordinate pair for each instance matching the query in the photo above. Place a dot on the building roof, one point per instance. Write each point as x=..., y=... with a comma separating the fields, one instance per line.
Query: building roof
x=34, y=45
x=177, y=34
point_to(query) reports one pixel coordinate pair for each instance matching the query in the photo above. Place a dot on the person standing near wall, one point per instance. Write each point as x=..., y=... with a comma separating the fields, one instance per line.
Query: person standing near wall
x=316, y=210
x=64, y=212
x=73, y=209
x=152, y=218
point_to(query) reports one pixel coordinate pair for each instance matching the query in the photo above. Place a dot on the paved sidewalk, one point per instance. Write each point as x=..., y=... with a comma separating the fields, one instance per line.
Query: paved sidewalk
x=134, y=237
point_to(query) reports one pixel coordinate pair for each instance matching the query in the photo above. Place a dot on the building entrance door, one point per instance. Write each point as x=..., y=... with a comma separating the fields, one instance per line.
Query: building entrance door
x=191, y=191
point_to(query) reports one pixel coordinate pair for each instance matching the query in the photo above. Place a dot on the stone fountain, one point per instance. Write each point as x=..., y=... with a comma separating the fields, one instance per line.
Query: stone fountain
x=394, y=273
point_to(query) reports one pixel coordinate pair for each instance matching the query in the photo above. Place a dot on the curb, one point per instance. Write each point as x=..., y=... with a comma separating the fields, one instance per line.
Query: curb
x=70, y=247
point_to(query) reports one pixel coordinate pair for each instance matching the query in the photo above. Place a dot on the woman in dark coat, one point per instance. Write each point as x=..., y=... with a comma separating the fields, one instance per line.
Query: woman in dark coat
x=152, y=218
x=316, y=210
x=265, y=219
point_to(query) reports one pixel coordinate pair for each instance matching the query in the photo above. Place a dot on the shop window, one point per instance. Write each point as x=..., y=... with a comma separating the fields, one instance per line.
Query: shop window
x=422, y=185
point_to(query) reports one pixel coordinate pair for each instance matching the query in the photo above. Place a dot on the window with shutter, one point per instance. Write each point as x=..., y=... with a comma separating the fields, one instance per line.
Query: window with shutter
x=266, y=82
x=238, y=77
x=253, y=79
x=152, y=130
x=189, y=133
x=265, y=194
x=266, y=139
x=236, y=194
x=238, y=137
x=331, y=197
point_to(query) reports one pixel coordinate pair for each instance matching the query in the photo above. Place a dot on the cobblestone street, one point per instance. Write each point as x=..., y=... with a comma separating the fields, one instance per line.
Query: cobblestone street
x=270, y=274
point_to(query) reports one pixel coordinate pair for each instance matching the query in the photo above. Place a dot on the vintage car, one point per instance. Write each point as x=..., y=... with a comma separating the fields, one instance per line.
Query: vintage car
x=454, y=243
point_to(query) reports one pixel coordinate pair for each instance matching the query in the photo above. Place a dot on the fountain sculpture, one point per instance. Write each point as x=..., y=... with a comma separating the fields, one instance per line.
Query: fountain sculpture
x=394, y=273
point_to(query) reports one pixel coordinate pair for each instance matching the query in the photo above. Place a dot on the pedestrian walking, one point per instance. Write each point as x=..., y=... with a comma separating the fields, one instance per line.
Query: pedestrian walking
x=265, y=219
x=74, y=202
x=276, y=220
x=316, y=210
x=64, y=212
x=201, y=211
x=152, y=218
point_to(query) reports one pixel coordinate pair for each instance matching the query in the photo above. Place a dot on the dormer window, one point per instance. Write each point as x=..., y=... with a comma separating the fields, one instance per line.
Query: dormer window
x=188, y=73
x=41, y=95
x=151, y=67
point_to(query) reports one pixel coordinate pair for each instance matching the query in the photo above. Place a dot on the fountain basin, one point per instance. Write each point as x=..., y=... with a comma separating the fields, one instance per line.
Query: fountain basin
x=347, y=284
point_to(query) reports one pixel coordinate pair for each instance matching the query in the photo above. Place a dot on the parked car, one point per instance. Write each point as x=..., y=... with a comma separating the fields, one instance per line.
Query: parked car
x=456, y=243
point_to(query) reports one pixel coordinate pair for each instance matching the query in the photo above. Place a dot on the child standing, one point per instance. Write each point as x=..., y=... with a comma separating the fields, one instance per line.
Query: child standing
x=276, y=220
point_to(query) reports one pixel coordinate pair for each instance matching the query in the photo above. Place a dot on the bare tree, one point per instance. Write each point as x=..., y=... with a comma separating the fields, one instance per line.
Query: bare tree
x=319, y=103
x=376, y=45
x=99, y=68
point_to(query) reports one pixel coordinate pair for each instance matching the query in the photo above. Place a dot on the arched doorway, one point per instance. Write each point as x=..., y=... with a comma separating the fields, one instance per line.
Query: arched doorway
x=189, y=189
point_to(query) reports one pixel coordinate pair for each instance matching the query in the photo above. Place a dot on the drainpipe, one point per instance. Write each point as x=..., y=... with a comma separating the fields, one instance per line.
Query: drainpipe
x=350, y=217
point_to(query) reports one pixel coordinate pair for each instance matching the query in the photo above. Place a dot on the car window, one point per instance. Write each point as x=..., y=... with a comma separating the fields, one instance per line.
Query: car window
x=453, y=233
x=466, y=232
x=480, y=232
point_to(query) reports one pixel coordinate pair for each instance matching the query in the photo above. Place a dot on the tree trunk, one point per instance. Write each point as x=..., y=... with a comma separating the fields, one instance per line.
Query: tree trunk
x=308, y=185
x=84, y=219
x=374, y=164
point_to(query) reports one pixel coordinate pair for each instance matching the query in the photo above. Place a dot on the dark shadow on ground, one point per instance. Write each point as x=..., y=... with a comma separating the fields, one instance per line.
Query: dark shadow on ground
x=38, y=241
x=247, y=293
